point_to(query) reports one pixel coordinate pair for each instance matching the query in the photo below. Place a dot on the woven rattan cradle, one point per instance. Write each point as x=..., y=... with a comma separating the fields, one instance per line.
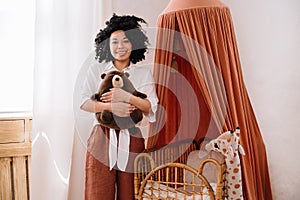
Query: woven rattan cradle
x=164, y=174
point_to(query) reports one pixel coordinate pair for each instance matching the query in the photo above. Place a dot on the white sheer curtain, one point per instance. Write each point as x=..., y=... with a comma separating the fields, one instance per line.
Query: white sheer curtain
x=65, y=32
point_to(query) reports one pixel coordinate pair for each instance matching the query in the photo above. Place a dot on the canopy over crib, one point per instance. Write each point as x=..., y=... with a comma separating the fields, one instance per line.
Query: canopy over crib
x=201, y=88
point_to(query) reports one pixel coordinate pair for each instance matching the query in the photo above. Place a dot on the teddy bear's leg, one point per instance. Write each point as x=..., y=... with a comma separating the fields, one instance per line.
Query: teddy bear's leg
x=136, y=116
x=132, y=130
x=106, y=117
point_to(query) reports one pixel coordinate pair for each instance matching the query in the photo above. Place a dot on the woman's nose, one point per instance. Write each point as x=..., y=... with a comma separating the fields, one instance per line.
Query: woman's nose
x=120, y=45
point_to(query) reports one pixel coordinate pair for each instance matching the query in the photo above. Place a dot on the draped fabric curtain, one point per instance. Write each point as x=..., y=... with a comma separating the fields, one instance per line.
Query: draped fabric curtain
x=65, y=32
x=207, y=37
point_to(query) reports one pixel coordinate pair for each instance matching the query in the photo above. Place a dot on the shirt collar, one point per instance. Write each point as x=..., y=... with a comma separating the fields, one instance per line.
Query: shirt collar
x=110, y=66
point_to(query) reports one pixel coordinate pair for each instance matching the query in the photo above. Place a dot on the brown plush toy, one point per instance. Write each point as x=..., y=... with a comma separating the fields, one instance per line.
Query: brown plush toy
x=107, y=118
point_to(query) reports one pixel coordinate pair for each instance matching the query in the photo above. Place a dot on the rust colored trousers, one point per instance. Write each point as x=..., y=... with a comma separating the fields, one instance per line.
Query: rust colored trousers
x=100, y=181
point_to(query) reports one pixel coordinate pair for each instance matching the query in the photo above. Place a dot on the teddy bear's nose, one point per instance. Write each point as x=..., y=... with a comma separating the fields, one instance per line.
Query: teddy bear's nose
x=117, y=79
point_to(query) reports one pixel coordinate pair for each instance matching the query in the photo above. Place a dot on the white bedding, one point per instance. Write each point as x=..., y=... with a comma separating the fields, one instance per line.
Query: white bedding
x=179, y=193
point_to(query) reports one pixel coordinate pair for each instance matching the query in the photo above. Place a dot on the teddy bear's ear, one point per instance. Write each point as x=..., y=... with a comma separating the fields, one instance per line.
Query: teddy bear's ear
x=127, y=74
x=103, y=75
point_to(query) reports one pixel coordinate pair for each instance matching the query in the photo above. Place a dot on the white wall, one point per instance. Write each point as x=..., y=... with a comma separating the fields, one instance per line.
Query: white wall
x=268, y=35
x=148, y=9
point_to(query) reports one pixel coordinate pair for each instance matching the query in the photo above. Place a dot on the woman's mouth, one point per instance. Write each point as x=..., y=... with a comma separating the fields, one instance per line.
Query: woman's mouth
x=121, y=53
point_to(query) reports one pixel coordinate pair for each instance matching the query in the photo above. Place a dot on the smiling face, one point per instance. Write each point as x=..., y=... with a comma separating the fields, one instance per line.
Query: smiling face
x=120, y=46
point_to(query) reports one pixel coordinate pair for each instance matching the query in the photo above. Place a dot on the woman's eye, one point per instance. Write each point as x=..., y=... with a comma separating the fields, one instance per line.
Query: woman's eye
x=126, y=41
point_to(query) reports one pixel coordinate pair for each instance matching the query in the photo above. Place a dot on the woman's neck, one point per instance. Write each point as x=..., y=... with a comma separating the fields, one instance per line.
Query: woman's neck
x=120, y=65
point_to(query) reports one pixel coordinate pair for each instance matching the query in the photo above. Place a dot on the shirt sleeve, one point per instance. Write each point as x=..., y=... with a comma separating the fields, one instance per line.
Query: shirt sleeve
x=148, y=87
x=90, y=84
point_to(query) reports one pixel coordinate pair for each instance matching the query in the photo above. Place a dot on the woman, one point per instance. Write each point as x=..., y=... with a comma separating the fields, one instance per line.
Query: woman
x=119, y=46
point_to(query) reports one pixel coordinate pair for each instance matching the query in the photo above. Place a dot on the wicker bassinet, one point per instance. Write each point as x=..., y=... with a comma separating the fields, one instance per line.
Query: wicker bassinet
x=163, y=173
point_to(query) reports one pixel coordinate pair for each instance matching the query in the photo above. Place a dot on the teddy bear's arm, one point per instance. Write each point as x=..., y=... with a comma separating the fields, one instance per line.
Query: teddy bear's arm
x=139, y=94
x=96, y=96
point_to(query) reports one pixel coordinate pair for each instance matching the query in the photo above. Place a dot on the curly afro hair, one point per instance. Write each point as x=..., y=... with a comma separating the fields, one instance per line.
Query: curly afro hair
x=133, y=31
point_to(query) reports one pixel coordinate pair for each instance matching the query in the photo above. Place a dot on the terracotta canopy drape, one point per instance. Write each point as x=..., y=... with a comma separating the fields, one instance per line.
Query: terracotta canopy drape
x=201, y=89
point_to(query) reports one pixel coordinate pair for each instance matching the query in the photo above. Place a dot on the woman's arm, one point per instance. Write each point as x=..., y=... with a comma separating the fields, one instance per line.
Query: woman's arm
x=95, y=106
x=119, y=108
x=119, y=95
x=142, y=104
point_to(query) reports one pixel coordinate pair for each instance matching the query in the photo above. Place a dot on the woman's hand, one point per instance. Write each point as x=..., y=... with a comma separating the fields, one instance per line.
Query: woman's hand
x=116, y=95
x=122, y=109
x=119, y=100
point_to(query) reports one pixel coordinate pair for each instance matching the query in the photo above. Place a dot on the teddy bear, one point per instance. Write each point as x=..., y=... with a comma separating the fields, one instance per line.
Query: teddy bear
x=106, y=118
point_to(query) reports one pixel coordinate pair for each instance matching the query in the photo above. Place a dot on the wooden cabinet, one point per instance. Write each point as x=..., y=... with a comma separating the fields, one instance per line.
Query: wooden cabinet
x=15, y=154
